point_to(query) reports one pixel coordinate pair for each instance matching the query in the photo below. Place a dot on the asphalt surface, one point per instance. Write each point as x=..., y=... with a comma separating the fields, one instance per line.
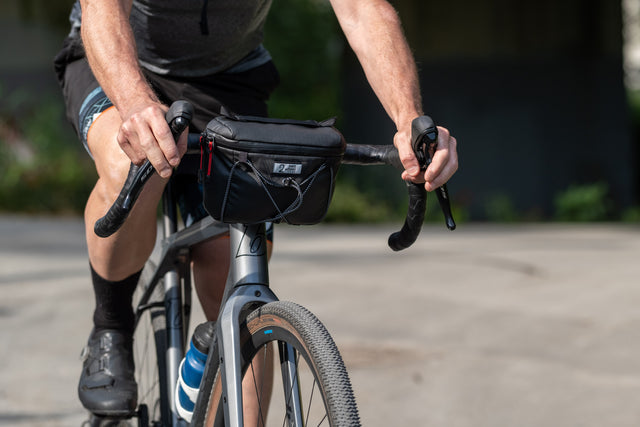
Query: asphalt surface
x=521, y=325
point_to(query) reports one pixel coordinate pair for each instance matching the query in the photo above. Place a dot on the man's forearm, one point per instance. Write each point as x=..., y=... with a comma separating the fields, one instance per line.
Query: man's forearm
x=374, y=32
x=111, y=52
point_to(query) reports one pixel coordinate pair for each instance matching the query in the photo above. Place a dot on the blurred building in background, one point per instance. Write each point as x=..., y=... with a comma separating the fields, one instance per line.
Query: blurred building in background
x=28, y=46
x=534, y=92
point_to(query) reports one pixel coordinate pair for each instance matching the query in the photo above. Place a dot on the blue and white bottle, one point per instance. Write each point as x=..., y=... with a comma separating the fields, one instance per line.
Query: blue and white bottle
x=191, y=370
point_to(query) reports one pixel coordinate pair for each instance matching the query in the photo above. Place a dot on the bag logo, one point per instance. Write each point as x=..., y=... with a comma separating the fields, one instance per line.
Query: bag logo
x=287, y=168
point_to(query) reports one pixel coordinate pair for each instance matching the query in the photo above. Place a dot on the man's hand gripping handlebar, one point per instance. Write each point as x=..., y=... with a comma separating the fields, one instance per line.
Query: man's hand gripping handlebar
x=178, y=117
x=424, y=136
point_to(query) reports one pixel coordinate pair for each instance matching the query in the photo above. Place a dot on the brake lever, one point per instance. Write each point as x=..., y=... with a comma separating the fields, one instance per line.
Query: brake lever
x=424, y=138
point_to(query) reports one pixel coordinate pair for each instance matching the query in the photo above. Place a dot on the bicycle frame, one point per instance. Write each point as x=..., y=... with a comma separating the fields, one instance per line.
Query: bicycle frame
x=247, y=285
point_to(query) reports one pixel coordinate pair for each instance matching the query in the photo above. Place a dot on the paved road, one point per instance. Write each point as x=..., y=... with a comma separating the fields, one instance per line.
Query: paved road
x=502, y=326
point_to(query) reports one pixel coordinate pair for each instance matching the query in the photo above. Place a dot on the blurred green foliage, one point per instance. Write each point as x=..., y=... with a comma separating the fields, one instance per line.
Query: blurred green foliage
x=499, y=208
x=583, y=203
x=631, y=214
x=42, y=168
x=350, y=205
x=306, y=44
x=53, y=14
x=633, y=100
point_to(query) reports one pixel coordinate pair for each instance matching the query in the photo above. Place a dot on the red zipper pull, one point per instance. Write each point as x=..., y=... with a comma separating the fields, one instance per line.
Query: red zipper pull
x=210, y=157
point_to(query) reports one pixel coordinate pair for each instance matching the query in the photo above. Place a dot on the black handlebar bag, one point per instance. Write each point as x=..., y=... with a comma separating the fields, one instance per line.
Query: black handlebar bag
x=256, y=169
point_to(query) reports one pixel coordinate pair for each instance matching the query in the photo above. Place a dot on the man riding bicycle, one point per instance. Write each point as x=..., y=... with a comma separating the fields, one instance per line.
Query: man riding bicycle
x=123, y=62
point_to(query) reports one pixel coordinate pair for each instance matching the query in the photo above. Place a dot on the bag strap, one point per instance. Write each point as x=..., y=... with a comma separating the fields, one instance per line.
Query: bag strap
x=282, y=215
x=289, y=182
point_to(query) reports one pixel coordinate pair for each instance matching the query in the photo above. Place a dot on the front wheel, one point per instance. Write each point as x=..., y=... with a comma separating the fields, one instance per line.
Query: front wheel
x=311, y=384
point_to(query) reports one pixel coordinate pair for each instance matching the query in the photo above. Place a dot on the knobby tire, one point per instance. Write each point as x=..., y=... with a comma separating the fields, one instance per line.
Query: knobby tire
x=326, y=391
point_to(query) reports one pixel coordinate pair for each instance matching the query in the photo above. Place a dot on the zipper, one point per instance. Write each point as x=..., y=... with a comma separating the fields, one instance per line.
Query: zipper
x=279, y=148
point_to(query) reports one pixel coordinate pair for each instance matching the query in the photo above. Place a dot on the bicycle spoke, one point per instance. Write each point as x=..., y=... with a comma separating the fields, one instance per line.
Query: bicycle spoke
x=147, y=370
x=322, y=420
x=145, y=366
x=313, y=388
x=259, y=393
x=293, y=382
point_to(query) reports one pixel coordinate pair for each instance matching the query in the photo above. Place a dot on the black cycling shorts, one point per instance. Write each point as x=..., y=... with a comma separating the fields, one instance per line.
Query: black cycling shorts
x=244, y=93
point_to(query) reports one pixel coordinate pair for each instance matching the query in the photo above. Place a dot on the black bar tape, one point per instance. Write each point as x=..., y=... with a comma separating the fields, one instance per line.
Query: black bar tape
x=415, y=216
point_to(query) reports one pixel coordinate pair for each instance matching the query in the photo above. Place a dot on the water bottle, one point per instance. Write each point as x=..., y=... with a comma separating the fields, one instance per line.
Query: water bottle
x=192, y=368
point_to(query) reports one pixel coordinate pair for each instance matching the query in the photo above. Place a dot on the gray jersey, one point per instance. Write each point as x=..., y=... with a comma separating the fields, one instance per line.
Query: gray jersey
x=171, y=35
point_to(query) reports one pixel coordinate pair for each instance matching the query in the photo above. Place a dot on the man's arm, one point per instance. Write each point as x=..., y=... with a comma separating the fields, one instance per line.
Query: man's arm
x=374, y=32
x=111, y=52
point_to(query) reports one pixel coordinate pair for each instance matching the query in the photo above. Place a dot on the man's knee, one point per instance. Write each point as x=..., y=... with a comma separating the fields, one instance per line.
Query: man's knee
x=110, y=160
x=112, y=164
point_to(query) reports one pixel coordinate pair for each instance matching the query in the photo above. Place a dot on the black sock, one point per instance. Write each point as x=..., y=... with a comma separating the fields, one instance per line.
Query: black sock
x=114, y=302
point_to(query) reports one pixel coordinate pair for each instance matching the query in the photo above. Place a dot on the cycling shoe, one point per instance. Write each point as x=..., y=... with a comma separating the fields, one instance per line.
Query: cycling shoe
x=107, y=385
